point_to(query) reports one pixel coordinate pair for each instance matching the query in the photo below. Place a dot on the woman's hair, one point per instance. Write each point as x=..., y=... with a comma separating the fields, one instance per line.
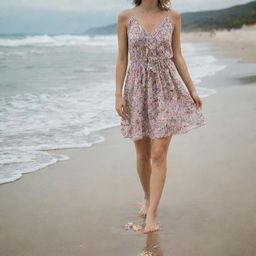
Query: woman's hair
x=162, y=4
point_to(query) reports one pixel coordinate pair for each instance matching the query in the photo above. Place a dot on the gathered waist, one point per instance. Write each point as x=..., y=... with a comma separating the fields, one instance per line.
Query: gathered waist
x=146, y=58
x=151, y=62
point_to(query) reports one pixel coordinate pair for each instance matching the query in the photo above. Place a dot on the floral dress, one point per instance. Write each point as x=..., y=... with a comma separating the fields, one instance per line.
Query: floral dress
x=158, y=104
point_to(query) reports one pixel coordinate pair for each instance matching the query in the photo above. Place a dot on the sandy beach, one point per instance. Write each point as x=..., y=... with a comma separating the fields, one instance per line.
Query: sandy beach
x=238, y=43
x=79, y=207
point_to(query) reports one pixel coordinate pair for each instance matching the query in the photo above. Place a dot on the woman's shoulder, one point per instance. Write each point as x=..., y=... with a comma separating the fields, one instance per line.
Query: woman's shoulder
x=125, y=14
x=174, y=13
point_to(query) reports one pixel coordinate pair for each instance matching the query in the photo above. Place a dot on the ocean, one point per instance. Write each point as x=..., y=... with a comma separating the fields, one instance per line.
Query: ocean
x=56, y=90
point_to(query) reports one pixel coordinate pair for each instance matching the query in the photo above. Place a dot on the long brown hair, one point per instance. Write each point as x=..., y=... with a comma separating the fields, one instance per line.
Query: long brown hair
x=162, y=4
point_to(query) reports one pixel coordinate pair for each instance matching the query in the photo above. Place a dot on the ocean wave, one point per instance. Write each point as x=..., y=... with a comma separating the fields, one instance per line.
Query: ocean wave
x=58, y=40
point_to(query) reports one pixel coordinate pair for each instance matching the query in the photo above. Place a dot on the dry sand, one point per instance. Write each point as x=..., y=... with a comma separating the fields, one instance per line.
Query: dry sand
x=78, y=207
x=239, y=43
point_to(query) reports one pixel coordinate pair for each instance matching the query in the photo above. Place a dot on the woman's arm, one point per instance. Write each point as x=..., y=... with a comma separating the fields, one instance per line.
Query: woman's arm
x=179, y=59
x=121, y=62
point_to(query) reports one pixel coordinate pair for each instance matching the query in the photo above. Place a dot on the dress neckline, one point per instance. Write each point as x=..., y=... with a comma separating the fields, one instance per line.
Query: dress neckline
x=154, y=29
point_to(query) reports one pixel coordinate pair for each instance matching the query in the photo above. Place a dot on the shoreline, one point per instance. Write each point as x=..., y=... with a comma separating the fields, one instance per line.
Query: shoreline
x=220, y=52
x=94, y=138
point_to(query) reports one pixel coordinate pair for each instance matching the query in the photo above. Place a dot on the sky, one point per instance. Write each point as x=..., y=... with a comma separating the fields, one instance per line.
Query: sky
x=76, y=16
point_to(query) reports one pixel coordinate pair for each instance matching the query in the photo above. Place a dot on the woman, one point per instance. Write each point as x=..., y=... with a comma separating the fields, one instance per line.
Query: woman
x=155, y=103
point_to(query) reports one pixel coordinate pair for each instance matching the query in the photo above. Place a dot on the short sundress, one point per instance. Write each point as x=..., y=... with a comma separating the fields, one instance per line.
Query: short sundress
x=158, y=104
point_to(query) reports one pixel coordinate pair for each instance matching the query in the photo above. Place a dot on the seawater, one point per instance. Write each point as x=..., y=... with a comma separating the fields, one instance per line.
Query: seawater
x=56, y=90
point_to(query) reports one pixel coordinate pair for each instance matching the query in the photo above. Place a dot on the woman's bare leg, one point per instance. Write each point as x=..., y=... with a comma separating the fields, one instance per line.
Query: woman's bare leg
x=144, y=169
x=159, y=149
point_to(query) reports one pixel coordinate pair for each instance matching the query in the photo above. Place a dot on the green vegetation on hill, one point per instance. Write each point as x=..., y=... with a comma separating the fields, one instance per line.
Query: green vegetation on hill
x=233, y=17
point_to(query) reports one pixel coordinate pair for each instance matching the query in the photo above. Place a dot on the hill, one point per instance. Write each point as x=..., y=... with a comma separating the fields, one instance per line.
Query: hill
x=230, y=18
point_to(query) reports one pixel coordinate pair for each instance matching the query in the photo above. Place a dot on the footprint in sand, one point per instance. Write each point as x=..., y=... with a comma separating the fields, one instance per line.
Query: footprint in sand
x=145, y=253
x=133, y=226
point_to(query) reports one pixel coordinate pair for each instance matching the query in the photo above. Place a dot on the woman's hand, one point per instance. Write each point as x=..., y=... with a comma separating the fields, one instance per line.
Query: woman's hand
x=197, y=100
x=120, y=107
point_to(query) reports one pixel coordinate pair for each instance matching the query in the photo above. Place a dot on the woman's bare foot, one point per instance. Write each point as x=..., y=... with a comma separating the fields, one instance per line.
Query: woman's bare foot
x=144, y=208
x=151, y=224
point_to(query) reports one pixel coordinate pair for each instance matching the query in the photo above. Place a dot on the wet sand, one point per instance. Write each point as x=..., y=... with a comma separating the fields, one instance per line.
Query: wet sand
x=79, y=207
